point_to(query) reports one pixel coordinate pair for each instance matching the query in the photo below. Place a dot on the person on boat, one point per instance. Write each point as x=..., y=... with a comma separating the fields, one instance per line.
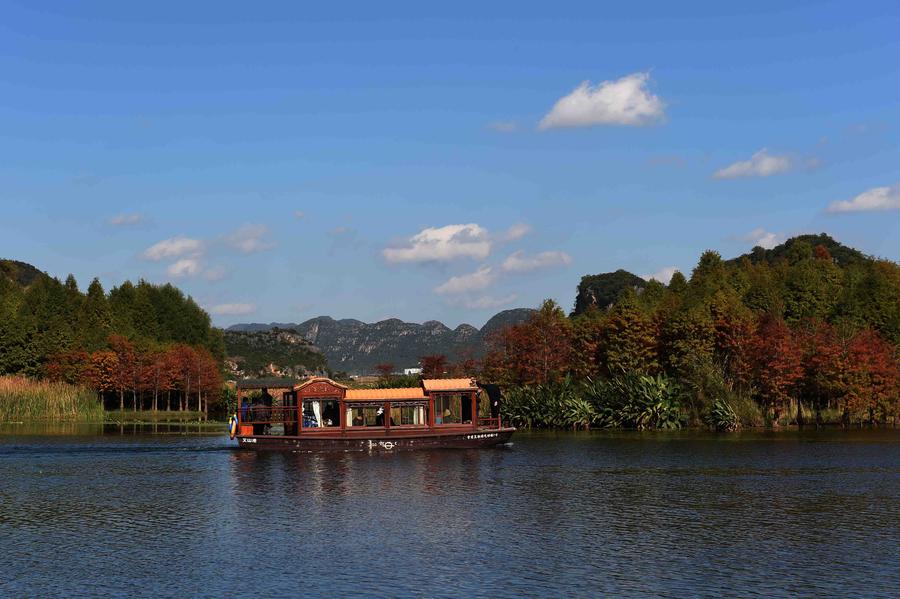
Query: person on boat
x=260, y=416
x=309, y=418
x=359, y=420
x=245, y=409
x=379, y=418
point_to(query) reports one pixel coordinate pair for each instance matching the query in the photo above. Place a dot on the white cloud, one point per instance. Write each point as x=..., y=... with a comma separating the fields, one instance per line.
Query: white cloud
x=625, y=101
x=762, y=238
x=186, y=267
x=436, y=244
x=173, y=248
x=126, y=219
x=475, y=281
x=233, y=309
x=250, y=239
x=216, y=273
x=486, y=302
x=875, y=199
x=663, y=275
x=503, y=126
x=517, y=231
x=761, y=164
x=519, y=262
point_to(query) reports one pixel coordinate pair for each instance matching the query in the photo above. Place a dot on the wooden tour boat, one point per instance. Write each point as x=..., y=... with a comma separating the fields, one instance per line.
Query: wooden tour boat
x=322, y=415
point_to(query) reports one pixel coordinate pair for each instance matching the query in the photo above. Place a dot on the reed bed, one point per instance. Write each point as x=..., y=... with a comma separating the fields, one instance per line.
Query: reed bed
x=27, y=400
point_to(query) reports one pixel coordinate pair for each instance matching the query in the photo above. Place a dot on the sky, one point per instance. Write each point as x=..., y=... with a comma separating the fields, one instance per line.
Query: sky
x=283, y=160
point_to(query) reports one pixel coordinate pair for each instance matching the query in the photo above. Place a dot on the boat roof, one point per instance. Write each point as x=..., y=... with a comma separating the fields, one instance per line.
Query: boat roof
x=318, y=379
x=384, y=394
x=467, y=384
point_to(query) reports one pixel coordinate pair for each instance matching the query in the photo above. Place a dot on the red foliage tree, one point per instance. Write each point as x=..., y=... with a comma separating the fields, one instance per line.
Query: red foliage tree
x=125, y=375
x=872, y=377
x=433, y=366
x=535, y=352
x=384, y=370
x=777, y=363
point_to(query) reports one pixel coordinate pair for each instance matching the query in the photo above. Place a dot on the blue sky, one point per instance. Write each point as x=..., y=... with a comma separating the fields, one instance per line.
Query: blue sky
x=279, y=161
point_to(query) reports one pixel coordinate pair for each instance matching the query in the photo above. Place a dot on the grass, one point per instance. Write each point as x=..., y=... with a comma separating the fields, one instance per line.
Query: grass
x=26, y=400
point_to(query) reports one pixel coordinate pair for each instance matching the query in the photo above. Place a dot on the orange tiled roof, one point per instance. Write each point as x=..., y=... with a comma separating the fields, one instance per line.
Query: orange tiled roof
x=449, y=384
x=384, y=394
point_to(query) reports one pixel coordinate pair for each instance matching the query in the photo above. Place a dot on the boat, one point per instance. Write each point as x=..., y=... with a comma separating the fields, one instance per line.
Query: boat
x=320, y=415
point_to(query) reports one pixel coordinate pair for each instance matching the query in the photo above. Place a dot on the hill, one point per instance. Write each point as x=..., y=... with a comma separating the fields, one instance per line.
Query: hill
x=840, y=253
x=601, y=291
x=356, y=347
x=21, y=273
x=271, y=352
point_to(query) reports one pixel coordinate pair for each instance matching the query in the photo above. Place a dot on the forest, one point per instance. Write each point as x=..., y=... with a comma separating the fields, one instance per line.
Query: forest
x=140, y=346
x=805, y=333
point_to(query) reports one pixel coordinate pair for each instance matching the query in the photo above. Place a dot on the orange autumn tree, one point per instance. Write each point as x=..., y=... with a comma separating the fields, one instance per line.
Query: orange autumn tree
x=777, y=363
x=537, y=351
x=872, y=378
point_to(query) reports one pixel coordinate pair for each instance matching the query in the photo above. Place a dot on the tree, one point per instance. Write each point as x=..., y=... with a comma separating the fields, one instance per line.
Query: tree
x=535, y=352
x=102, y=375
x=126, y=372
x=872, y=377
x=385, y=370
x=777, y=366
x=688, y=340
x=95, y=319
x=433, y=366
x=629, y=341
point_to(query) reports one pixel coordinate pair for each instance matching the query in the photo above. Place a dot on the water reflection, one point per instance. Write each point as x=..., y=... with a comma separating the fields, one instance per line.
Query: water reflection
x=122, y=511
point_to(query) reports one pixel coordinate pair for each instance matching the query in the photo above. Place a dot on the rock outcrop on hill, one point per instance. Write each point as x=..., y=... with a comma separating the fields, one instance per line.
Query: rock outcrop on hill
x=356, y=347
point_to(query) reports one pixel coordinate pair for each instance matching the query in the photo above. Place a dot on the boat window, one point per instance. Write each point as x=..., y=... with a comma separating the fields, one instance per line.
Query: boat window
x=409, y=414
x=321, y=413
x=365, y=416
x=448, y=409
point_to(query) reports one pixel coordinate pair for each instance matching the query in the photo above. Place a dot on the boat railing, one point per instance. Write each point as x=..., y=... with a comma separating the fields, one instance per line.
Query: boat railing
x=264, y=414
x=489, y=422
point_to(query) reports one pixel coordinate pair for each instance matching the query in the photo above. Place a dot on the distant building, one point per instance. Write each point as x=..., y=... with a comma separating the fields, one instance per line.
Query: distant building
x=409, y=371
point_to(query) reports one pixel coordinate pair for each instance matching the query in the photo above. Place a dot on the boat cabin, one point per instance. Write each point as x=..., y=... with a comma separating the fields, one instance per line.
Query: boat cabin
x=321, y=407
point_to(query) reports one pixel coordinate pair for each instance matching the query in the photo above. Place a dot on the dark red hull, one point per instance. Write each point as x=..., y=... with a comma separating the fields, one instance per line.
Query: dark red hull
x=316, y=443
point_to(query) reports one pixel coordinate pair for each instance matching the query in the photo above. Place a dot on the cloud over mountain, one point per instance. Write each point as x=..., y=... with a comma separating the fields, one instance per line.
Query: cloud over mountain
x=625, y=101
x=232, y=309
x=475, y=281
x=872, y=200
x=186, y=267
x=761, y=164
x=762, y=238
x=441, y=244
x=249, y=239
x=663, y=275
x=173, y=247
x=120, y=220
x=519, y=262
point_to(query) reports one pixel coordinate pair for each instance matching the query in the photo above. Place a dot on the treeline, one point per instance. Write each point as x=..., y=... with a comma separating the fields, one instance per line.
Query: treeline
x=790, y=335
x=140, y=345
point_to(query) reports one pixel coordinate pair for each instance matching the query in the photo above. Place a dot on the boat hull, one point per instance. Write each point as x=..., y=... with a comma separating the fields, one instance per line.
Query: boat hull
x=377, y=443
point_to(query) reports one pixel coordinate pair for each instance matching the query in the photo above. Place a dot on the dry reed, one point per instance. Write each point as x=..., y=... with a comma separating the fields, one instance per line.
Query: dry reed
x=27, y=400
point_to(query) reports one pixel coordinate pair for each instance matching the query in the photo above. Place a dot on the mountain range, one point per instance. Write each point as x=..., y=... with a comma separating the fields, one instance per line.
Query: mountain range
x=355, y=347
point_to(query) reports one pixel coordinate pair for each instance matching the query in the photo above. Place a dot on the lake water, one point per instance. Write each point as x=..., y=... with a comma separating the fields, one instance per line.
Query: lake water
x=127, y=513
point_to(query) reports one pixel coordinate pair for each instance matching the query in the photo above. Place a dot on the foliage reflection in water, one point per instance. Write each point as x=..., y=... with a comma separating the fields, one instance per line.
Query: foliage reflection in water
x=588, y=514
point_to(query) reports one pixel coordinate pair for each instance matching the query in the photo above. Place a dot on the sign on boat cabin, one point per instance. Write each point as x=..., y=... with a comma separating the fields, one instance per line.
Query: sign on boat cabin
x=324, y=410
